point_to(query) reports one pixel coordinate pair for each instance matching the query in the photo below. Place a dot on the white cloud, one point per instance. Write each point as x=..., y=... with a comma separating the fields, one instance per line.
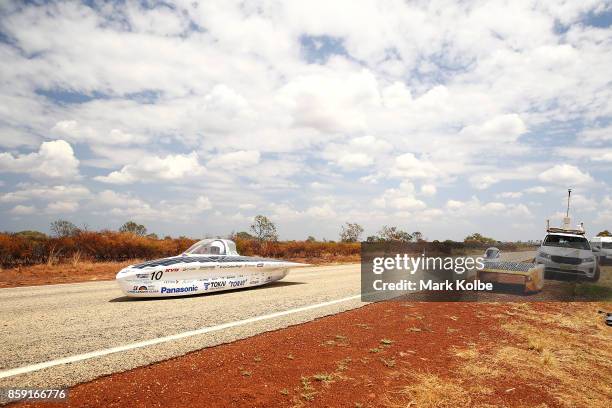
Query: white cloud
x=177, y=167
x=484, y=181
x=23, y=210
x=428, y=189
x=41, y=192
x=536, y=190
x=409, y=166
x=500, y=129
x=402, y=198
x=596, y=135
x=235, y=160
x=126, y=206
x=53, y=160
x=323, y=211
x=73, y=131
x=567, y=175
x=356, y=153
x=510, y=194
x=62, y=207
x=331, y=98
x=476, y=208
x=202, y=204
x=580, y=204
x=351, y=161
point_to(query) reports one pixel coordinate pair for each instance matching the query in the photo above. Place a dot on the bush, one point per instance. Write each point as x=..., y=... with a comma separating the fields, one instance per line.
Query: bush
x=27, y=248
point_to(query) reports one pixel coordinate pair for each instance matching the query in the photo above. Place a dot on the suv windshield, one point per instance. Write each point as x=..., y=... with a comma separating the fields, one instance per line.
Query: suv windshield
x=565, y=241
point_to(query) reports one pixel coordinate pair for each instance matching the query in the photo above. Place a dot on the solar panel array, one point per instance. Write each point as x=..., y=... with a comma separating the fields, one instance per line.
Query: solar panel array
x=201, y=259
x=509, y=266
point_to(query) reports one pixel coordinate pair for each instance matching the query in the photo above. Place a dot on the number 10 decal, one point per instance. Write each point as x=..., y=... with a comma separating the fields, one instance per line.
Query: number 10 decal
x=157, y=275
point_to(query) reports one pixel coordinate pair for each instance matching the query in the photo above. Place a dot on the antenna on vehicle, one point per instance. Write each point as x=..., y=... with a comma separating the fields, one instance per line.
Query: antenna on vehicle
x=569, y=193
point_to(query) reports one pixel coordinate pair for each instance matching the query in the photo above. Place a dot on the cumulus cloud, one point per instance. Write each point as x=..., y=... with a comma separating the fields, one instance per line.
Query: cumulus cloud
x=23, y=210
x=596, y=135
x=510, y=194
x=331, y=98
x=476, y=208
x=567, y=175
x=428, y=189
x=322, y=211
x=173, y=167
x=402, y=198
x=54, y=160
x=351, y=161
x=502, y=128
x=409, y=166
x=536, y=190
x=62, y=207
x=73, y=131
x=235, y=160
x=42, y=192
x=125, y=205
x=356, y=153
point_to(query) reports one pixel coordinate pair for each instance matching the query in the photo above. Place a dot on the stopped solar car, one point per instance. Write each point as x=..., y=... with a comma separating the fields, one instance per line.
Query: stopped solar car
x=526, y=274
x=208, y=266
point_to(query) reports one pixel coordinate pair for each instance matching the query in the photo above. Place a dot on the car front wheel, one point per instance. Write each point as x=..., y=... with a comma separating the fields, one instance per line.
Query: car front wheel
x=595, y=277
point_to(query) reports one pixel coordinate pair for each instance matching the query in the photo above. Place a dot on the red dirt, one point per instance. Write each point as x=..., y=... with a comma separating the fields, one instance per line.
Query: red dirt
x=95, y=271
x=269, y=369
x=60, y=273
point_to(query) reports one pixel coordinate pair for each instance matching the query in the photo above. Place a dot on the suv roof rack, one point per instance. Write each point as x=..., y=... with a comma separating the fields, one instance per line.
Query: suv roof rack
x=565, y=231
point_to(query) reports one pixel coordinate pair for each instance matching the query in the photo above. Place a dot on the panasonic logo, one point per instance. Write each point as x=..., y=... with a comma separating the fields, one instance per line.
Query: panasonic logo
x=179, y=290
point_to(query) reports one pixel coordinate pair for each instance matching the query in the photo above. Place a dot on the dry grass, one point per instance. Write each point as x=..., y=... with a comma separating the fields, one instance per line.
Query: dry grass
x=561, y=352
x=565, y=354
x=427, y=390
x=560, y=349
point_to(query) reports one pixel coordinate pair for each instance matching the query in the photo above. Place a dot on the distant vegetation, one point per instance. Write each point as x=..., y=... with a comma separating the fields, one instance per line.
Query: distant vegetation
x=69, y=243
x=351, y=232
x=476, y=238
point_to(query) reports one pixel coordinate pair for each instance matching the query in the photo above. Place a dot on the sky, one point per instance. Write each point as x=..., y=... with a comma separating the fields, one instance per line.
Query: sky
x=443, y=117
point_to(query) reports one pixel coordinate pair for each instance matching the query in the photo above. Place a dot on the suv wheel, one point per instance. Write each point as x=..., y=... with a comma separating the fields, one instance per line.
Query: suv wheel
x=595, y=277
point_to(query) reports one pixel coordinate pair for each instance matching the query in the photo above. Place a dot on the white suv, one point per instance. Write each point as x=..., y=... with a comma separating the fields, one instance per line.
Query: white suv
x=603, y=246
x=569, y=254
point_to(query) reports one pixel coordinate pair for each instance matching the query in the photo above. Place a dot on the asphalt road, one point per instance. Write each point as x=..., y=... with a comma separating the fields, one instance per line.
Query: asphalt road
x=41, y=324
x=45, y=323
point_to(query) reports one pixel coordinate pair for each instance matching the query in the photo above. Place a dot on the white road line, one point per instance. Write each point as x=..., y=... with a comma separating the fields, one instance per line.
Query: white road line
x=99, y=353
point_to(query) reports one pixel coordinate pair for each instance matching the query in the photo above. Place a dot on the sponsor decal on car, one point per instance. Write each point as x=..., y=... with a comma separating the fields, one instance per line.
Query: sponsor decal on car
x=179, y=290
x=171, y=270
x=142, y=289
x=237, y=284
x=208, y=267
x=142, y=275
x=260, y=265
x=214, y=284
